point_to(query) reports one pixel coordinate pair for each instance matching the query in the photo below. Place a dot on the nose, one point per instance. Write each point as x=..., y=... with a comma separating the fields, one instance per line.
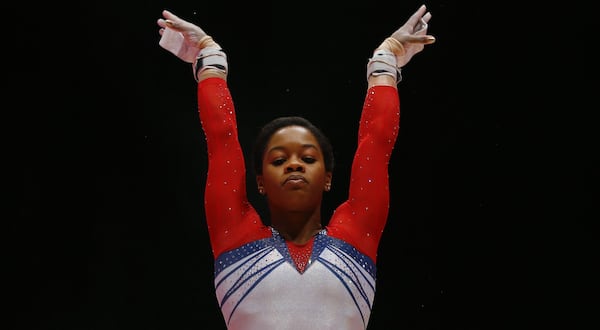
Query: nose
x=294, y=166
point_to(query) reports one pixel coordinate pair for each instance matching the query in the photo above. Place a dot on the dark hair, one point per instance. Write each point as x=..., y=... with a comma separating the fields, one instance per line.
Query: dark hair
x=260, y=144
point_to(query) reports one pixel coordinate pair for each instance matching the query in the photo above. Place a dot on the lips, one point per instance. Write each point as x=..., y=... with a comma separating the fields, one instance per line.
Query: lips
x=295, y=178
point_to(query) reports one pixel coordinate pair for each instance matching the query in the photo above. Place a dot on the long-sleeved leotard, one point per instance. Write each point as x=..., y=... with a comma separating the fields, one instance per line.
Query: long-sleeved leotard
x=262, y=281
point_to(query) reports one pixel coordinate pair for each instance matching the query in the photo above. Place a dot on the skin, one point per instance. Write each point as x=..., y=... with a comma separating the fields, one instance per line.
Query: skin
x=294, y=204
x=412, y=34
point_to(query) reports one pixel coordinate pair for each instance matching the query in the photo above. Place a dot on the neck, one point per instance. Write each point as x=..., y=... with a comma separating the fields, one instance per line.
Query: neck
x=297, y=227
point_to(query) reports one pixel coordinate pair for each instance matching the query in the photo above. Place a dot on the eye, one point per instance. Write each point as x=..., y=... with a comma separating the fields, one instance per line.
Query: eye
x=278, y=162
x=309, y=160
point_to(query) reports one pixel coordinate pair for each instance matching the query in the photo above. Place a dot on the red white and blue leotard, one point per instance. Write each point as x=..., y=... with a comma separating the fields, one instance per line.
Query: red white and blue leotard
x=263, y=282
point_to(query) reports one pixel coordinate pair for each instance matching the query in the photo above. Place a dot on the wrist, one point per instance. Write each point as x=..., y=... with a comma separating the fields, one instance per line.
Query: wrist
x=383, y=63
x=210, y=61
x=207, y=41
x=393, y=45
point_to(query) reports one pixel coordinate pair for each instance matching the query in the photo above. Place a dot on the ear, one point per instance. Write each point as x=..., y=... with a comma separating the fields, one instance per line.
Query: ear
x=260, y=184
x=328, y=178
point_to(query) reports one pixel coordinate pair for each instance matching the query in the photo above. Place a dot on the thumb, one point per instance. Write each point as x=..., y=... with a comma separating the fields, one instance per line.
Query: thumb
x=417, y=39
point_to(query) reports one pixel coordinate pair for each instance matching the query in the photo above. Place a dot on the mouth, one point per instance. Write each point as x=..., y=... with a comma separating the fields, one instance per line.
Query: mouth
x=295, y=179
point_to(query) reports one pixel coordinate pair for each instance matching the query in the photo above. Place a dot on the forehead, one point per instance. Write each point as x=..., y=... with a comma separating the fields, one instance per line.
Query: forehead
x=293, y=135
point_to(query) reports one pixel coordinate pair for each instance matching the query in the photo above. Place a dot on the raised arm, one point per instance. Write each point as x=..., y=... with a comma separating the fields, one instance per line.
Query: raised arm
x=398, y=49
x=361, y=219
x=230, y=218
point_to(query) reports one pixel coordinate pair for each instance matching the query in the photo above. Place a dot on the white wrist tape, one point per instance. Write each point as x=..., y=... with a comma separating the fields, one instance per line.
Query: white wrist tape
x=383, y=62
x=210, y=58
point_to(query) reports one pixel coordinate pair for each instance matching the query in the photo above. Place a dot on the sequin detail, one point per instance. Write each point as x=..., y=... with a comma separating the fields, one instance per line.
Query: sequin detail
x=258, y=266
x=300, y=254
x=259, y=283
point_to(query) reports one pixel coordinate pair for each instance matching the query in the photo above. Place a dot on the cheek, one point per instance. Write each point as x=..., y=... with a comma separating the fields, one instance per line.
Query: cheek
x=270, y=176
x=318, y=175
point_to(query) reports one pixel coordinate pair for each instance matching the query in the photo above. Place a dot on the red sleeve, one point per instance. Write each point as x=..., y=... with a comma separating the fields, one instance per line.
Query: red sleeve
x=231, y=220
x=360, y=220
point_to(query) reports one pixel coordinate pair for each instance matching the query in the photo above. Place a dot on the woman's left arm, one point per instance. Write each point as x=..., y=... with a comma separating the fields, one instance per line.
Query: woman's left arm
x=361, y=219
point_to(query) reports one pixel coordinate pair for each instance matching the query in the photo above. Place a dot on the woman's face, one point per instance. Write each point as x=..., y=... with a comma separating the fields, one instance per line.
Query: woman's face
x=294, y=175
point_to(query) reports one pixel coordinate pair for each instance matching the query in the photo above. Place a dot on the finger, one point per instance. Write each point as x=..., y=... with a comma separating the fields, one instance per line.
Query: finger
x=169, y=15
x=174, y=25
x=418, y=39
x=426, y=39
x=171, y=20
x=426, y=17
x=170, y=23
x=414, y=18
x=421, y=27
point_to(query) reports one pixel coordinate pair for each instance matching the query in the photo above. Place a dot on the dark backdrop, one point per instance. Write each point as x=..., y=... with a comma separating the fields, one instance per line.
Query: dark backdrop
x=493, y=197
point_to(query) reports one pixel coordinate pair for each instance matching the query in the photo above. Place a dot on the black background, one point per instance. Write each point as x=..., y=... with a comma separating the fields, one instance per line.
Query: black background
x=494, y=199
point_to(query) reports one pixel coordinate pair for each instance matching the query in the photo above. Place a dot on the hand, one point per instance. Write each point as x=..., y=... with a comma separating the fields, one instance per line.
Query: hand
x=192, y=34
x=181, y=37
x=412, y=35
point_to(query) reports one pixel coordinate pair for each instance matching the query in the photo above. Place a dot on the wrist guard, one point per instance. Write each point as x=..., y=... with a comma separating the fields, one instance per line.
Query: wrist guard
x=383, y=62
x=210, y=58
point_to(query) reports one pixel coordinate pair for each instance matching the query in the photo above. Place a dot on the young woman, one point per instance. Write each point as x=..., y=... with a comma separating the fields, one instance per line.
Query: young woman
x=295, y=273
